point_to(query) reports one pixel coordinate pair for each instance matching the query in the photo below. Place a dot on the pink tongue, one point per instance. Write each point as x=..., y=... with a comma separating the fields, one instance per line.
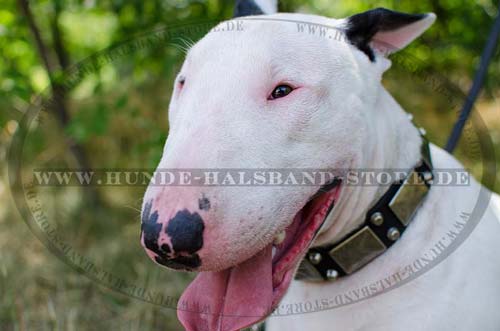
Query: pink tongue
x=231, y=299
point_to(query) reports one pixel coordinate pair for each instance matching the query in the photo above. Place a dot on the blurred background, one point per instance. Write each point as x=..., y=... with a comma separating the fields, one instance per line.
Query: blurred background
x=114, y=116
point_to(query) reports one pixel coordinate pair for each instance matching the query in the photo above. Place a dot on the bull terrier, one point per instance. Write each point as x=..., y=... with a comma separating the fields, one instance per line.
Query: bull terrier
x=268, y=96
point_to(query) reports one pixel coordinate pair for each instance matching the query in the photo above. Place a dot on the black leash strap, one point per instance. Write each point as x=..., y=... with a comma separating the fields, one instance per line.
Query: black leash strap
x=489, y=49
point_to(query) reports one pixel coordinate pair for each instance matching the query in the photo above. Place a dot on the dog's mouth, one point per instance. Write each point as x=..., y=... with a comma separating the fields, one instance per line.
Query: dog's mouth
x=245, y=294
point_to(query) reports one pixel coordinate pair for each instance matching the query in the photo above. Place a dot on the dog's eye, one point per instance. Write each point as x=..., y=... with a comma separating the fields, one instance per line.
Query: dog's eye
x=280, y=91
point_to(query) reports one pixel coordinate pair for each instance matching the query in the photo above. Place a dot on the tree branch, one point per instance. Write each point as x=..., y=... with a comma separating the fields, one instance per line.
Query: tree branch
x=42, y=50
x=58, y=91
x=59, y=49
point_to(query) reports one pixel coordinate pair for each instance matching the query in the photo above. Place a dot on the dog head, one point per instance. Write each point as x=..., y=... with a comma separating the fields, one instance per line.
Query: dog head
x=277, y=92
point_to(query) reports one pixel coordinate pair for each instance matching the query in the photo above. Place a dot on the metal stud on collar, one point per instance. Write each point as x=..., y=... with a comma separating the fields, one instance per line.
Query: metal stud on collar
x=428, y=177
x=393, y=234
x=315, y=257
x=332, y=274
x=377, y=219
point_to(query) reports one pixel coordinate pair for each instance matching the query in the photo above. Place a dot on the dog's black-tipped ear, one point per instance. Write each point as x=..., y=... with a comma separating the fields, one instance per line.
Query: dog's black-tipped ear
x=385, y=30
x=255, y=7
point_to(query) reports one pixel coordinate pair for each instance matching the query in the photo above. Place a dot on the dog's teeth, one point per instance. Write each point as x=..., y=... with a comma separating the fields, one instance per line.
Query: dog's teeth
x=279, y=238
x=274, y=252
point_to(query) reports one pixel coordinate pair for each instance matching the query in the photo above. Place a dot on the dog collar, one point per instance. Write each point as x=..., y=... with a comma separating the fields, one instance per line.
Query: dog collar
x=384, y=224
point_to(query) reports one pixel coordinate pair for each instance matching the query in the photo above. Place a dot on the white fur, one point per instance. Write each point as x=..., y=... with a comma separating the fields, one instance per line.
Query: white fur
x=461, y=293
x=341, y=117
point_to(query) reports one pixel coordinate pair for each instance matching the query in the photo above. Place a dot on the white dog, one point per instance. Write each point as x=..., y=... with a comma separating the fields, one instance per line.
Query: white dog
x=270, y=95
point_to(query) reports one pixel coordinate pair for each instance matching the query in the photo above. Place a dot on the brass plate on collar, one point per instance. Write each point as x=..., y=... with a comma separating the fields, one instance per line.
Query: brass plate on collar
x=408, y=198
x=307, y=271
x=358, y=250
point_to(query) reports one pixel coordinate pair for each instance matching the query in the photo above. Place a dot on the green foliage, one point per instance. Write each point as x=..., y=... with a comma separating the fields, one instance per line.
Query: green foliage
x=91, y=121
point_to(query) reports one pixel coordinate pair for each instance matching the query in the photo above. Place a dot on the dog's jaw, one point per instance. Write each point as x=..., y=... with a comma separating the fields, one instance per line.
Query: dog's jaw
x=247, y=293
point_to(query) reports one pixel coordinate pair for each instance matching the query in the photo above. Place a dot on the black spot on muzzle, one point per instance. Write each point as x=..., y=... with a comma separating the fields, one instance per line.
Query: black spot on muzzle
x=180, y=262
x=204, y=203
x=150, y=227
x=186, y=235
x=186, y=232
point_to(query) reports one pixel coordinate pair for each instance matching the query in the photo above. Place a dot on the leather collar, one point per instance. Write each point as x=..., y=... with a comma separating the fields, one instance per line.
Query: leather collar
x=384, y=224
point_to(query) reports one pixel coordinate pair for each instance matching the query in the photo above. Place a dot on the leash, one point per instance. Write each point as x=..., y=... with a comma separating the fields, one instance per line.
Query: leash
x=477, y=84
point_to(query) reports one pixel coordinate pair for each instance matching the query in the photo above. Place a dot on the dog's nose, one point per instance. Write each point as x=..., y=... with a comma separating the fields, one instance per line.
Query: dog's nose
x=186, y=232
x=175, y=246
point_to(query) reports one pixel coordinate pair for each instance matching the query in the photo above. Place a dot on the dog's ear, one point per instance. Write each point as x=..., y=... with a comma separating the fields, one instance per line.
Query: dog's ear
x=255, y=7
x=385, y=30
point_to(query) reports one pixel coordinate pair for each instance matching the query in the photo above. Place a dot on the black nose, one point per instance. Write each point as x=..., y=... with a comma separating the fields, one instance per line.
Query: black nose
x=185, y=230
